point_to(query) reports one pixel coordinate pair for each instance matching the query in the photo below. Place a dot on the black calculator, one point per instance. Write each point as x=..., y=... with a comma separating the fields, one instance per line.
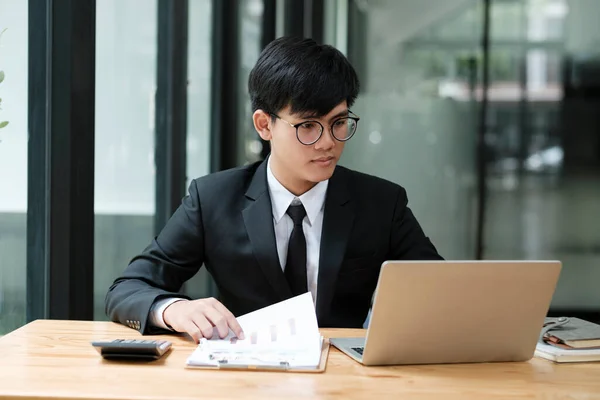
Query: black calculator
x=132, y=349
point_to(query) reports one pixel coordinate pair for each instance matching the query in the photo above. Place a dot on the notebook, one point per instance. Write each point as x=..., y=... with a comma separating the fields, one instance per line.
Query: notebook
x=283, y=337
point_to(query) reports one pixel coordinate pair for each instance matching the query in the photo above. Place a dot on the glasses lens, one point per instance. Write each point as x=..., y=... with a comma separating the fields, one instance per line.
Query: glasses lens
x=309, y=132
x=344, y=128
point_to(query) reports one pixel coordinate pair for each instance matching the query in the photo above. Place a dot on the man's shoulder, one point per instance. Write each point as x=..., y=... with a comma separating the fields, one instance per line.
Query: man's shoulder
x=363, y=181
x=230, y=178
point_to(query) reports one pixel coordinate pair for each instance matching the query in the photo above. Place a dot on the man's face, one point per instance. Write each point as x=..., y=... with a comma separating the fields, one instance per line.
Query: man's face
x=296, y=162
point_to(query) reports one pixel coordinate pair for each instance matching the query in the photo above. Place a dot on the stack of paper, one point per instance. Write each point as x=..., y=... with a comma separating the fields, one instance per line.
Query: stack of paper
x=284, y=335
x=557, y=354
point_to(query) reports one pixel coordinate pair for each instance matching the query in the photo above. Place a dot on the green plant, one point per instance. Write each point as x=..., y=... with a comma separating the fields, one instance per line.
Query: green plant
x=2, y=123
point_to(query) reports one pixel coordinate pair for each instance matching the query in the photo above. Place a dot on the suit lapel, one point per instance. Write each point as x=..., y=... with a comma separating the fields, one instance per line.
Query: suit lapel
x=258, y=218
x=338, y=218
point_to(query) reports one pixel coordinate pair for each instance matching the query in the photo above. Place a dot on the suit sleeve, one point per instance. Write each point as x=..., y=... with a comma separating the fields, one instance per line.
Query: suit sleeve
x=407, y=239
x=173, y=257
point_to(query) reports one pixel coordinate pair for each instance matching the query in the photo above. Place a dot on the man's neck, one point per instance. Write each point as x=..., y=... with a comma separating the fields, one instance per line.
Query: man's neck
x=296, y=187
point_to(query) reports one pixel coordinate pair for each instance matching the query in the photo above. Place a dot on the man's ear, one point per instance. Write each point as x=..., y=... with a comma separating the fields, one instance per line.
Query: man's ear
x=262, y=124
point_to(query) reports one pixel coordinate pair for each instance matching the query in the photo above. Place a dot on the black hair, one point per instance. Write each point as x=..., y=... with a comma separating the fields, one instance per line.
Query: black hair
x=307, y=76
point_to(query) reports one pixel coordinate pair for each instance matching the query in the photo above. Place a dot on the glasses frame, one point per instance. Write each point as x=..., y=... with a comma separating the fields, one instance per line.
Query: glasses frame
x=353, y=117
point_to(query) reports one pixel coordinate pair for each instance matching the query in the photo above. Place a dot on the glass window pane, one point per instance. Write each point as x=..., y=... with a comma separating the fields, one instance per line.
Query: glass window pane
x=544, y=166
x=418, y=121
x=125, y=176
x=13, y=163
x=251, y=13
x=198, y=114
x=457, y=24
x=199, y=81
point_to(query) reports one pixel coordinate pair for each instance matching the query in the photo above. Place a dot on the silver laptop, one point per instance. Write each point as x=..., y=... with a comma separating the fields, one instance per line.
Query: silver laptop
x=438, y=312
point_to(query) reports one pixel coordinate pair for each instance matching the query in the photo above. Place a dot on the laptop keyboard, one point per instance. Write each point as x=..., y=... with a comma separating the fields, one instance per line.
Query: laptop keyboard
x=359, y=350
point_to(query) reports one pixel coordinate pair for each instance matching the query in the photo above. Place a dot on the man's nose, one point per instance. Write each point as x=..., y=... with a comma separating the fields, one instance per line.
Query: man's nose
x=326, y=141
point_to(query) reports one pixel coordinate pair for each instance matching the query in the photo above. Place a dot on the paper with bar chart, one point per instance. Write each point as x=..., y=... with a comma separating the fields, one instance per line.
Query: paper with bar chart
x=286, y=333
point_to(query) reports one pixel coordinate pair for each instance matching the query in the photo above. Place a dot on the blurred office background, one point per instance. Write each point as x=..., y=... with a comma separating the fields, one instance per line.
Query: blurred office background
x=487, y=111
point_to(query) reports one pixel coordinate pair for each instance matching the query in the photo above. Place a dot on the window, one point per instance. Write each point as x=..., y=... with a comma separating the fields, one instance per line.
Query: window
x=199, y=80
x=13, y=164
x=125, y=179
x=545, y=188
x=418, y=127
x=251, y=14
x=198, y=115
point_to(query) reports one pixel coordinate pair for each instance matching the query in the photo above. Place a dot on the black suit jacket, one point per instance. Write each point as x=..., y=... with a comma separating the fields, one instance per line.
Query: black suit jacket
x=226, y=224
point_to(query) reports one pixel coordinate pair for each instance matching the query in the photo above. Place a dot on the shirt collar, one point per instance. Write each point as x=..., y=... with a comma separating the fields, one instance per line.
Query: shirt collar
x=281, y=198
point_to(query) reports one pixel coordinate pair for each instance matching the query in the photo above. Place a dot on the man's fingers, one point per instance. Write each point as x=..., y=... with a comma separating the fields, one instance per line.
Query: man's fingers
x=218, y=320
x=203, y=324
x=200, y=318
x=192, y=329
x=231, y=320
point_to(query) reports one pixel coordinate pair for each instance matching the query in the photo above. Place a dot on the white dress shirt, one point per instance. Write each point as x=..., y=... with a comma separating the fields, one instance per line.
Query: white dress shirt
x=281, y=199
x=314, y=203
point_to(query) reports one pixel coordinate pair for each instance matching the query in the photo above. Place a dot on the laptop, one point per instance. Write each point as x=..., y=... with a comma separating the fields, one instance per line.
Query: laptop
x=442, y=312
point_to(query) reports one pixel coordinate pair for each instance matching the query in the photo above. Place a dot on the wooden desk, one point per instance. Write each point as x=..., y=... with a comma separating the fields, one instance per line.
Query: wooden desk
x=53, y=359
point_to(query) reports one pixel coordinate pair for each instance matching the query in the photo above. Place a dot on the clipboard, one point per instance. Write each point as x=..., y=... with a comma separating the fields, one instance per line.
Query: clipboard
x=281, y=367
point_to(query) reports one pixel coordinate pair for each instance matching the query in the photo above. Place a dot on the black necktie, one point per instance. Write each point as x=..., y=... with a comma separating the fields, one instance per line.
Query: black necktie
x=295, y=267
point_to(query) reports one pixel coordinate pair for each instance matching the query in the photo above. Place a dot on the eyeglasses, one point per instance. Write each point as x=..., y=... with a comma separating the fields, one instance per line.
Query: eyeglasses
x=309, y=132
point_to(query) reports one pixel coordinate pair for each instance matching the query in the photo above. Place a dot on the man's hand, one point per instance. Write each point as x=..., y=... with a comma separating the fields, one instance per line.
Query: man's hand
x=198, y=318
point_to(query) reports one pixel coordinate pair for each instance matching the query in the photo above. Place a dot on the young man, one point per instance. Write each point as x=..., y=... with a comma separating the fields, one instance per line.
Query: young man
x=293, y=223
